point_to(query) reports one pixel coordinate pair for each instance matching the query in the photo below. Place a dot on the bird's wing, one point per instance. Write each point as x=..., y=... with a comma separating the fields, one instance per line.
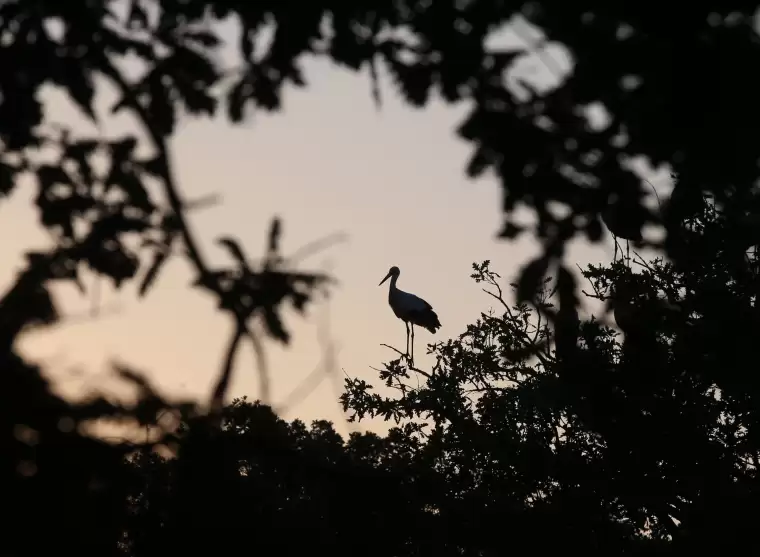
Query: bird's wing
x=414, y=303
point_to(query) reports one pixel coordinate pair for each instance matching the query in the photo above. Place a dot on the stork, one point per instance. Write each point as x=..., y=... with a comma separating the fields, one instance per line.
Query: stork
x=622, y=223
x=410, y=309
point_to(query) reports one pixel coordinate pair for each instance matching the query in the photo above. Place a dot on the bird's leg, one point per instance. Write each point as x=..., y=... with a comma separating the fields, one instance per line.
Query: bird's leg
x=407, y=338
x=412, y=358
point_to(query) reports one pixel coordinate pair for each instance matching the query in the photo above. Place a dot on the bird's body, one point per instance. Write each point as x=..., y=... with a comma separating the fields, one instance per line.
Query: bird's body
x=623, y=223
x=411, y=309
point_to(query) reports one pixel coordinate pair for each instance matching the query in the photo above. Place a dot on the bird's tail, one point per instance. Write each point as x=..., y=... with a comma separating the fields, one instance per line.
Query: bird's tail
x=432, y=324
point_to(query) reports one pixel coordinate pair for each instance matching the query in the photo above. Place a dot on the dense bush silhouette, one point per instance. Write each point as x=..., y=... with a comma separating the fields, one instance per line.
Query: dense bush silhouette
x=641, y=442
x=645, y=445
x=533, y=436
x=279, y=487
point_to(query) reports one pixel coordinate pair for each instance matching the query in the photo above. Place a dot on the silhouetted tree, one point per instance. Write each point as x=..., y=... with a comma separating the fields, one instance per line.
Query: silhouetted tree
x=280, y=487
x=636, y=438
x=645, y=438
x=94, y=197
x=664, y=418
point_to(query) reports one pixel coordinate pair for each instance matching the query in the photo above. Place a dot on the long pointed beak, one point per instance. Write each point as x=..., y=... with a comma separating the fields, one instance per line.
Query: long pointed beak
x=386, y=278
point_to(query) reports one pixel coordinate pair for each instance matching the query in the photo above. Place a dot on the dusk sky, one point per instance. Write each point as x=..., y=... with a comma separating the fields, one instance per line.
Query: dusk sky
x=392, y=180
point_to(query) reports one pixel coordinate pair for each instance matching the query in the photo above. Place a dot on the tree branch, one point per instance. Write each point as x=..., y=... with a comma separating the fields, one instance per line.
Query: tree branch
x=217, y=397
x=409, y=366
x=172, y=191
x=265, y=394
x=178, y=206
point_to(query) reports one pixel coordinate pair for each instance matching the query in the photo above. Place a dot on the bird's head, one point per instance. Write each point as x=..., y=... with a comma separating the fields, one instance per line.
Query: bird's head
x=394, y=272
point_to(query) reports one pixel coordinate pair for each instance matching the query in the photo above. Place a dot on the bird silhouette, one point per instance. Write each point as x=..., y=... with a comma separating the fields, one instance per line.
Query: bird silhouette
x=623, y=222
x=411, y=309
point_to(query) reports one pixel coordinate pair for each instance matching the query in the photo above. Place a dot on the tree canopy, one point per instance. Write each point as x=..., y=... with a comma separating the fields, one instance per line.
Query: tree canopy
x=611, y=445
x=645, y=446
x=646, y=70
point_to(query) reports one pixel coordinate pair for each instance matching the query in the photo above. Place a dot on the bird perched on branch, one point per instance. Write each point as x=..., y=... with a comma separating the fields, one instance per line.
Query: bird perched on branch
x=624, y=218
x=411, y=309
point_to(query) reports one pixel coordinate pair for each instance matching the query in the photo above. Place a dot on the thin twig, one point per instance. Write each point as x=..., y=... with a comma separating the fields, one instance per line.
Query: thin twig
x=401, y=386
x=327, y=361
x=217, y=398
x=418, y=370
x=316, y=246
x=208, y=200
x=303, y=389
x=409, y=366
x=265, y=394
x=641, y=262
x=545, y=359
x=399, y=352
x=331, y=351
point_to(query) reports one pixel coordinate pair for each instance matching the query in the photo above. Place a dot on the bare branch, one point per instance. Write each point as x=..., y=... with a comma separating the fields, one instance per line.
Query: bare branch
x=162, y=149
x=418, y=370
x=409, y=365
x=265, y=394
x=193, y=248
x=303, y=389
x=316, y=246
x=217, y=397
x=399, y=352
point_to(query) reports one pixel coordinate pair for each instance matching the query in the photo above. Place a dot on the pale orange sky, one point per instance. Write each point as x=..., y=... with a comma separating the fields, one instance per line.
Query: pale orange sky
x=393, y=180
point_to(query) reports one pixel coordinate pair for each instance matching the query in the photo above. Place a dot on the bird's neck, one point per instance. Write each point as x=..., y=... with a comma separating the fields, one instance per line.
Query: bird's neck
x=392, y=288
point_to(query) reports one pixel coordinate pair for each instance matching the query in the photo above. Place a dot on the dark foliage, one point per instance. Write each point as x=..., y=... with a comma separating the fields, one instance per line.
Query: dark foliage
x=654, y=74
x=277, y=487
x=611, y=444
x=646, y=445
x=533, y=436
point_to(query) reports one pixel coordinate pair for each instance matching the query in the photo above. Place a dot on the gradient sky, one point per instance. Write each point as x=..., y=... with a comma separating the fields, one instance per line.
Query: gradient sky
x=330, y=162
